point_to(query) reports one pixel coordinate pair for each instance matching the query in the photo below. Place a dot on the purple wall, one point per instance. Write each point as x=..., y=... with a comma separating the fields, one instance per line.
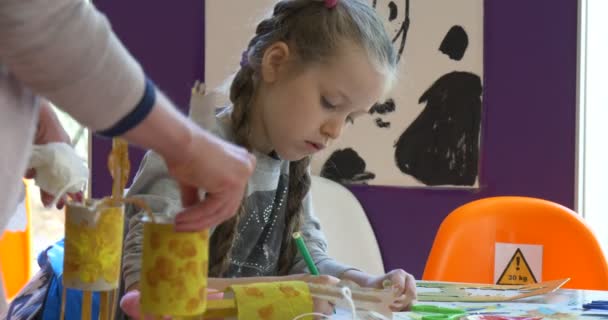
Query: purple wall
x=167, y=39
x=528, y=134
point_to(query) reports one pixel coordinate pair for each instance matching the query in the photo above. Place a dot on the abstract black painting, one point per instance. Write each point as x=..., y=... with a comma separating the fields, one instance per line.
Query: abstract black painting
x=426, y=132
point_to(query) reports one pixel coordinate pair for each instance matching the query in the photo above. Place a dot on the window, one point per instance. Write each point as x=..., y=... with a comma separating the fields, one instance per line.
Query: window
x=593, y=114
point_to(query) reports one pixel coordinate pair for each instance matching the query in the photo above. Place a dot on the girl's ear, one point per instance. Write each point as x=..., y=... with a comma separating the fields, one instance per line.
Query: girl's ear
x=274, y=61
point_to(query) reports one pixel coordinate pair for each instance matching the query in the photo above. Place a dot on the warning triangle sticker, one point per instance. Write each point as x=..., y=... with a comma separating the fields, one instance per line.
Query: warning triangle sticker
x=517, y=271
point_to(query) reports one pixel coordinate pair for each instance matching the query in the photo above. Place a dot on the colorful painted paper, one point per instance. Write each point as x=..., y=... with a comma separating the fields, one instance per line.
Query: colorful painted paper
x=463, y=292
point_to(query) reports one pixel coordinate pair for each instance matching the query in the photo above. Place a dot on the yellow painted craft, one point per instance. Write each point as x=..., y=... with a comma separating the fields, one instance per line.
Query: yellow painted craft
x=286, y=300
x=273, y=300
x=93, y=246
x=174, y=270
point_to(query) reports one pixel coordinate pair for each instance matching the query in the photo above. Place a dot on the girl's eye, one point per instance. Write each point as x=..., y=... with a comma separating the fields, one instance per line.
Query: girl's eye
x=326, y=104
x=350, y=120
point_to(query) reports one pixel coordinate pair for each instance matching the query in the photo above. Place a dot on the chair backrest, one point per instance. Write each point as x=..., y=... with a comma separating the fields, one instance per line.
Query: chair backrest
x=16, y=254
x=350, y=237
x=464, y=247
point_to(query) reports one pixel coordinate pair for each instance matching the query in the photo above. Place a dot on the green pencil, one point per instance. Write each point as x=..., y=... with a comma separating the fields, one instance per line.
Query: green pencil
x=297, y=236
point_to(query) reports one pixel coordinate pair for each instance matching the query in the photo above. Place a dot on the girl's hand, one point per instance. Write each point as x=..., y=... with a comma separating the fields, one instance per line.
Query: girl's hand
x=403, y=285
x=129, y=303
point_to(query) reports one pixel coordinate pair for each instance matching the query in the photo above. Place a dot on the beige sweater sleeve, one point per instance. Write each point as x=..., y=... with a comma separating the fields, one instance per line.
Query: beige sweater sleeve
x=66, y=51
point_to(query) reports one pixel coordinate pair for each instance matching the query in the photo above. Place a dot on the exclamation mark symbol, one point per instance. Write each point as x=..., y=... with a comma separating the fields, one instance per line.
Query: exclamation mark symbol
x=517, y=262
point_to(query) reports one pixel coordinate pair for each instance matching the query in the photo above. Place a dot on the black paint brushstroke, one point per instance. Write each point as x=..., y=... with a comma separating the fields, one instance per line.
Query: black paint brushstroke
x=441, y=147
x=345, y=166
x=455, y=43
x=392, y=6
x=382, y=124
x=401, y=35
x=383, y=108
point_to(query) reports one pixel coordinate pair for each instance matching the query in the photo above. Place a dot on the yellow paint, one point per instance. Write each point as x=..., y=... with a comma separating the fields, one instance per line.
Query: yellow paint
x=273, y=300
x=93, y=247
x=119, y=166
x=225, y=308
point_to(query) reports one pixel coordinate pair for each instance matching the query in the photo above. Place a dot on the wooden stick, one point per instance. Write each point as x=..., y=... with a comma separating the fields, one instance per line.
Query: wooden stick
x=87, y=301
x=336, y=292
x=367, y=299
x=363, y=298
x=63, y=297
x=118, y=163
x=119, y=166
x=104, y=305
x=114, y=303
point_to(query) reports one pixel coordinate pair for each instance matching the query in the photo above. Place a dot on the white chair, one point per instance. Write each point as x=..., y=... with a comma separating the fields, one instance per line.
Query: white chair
x=349, y=234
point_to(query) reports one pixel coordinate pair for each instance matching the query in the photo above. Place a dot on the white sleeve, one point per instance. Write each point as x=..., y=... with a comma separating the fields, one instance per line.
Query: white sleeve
x=65, y=50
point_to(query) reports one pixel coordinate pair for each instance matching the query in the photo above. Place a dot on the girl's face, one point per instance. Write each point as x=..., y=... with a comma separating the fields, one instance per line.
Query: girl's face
x=301, y=112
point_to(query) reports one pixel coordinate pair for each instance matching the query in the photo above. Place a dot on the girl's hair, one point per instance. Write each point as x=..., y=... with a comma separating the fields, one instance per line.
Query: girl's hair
x=315, y=33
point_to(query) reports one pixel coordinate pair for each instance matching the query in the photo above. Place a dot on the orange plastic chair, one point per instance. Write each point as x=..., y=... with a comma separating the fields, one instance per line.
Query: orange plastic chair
x=463, y=250
x=15, y=255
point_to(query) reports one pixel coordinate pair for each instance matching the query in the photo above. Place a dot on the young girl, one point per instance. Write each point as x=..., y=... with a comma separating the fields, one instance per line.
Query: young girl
x=311, y=69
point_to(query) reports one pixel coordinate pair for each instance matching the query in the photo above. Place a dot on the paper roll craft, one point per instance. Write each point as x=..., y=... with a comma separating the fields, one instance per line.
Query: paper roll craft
x=174, y=270
x=272, y=301
x=93, y=246
x=93, y=242
x=265, y=301
x=287, y=300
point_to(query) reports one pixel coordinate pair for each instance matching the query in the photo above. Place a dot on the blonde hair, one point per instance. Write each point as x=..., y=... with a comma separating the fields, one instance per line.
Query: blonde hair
x=316, y=34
